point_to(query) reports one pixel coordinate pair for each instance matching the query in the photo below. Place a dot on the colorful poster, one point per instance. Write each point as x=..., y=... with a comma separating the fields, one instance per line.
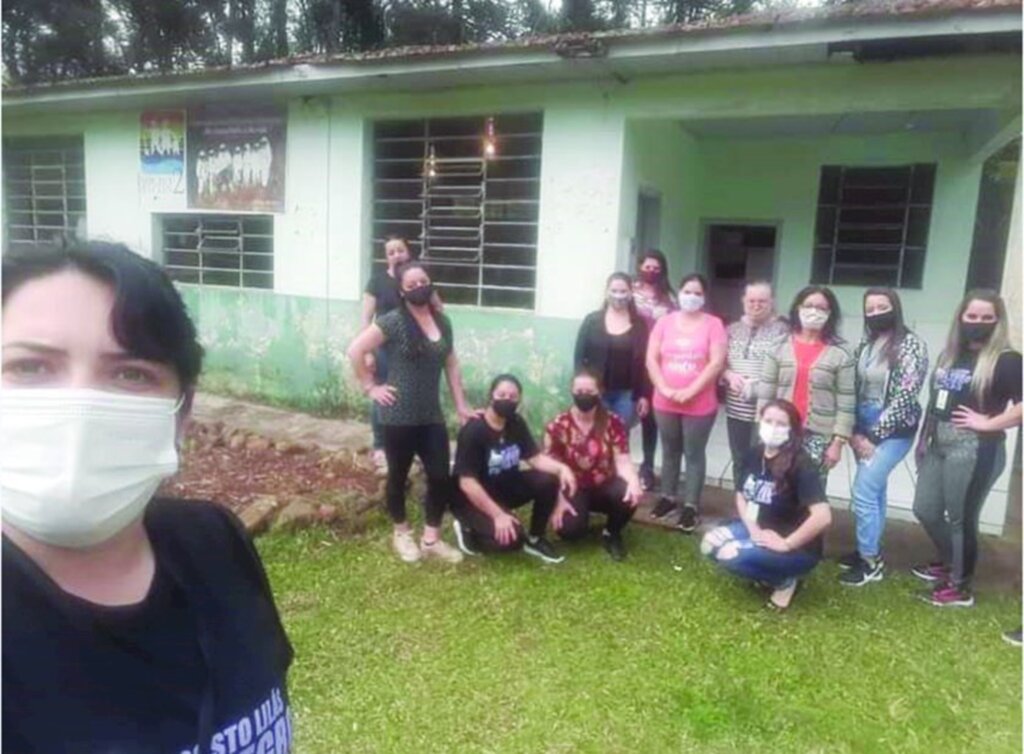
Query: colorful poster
x=162, y=158
x=236, y=158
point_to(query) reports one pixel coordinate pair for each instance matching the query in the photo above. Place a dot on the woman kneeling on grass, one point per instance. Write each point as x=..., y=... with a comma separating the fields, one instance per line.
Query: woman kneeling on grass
x=593, y=442
x=491, y=484
x=783, y=511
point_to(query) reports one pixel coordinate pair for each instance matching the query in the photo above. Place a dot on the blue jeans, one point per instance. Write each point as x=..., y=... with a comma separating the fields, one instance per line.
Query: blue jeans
x=869, y=485
x=752, y=561
x=620, y=403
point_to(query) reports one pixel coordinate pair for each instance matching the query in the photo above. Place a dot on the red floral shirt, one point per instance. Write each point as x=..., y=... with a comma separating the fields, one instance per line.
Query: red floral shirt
x=592, y=459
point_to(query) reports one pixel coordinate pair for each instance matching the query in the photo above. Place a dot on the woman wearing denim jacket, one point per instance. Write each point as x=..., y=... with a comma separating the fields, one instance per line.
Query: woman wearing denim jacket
x=892, y=364
x=813, y=369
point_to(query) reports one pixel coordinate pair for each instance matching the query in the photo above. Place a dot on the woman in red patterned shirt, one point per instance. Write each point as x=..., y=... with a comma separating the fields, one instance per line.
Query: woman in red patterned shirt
x=594, y=444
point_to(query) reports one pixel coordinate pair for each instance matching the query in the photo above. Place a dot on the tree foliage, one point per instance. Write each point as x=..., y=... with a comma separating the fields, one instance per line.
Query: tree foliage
x=45, y=40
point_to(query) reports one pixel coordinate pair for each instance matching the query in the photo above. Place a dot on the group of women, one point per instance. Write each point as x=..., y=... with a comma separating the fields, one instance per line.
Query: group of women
x=795, y=394
x=147, y=624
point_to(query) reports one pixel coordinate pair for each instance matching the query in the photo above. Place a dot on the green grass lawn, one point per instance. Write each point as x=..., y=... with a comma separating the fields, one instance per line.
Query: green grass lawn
x=657, y=654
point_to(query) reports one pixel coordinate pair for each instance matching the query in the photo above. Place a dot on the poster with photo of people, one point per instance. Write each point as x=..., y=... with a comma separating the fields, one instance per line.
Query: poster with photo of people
x=236, y=158
x=162, y=157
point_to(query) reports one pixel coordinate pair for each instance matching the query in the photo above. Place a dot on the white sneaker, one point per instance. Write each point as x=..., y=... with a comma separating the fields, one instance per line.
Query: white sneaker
x=440, y=550
x=405, y=545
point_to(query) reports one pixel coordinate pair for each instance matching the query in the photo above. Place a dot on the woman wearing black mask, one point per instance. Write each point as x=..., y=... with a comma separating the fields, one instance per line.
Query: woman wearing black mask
x=491, y=484
x=975, y=397
x=892, y=364
x=593, y=442
x=418, y=343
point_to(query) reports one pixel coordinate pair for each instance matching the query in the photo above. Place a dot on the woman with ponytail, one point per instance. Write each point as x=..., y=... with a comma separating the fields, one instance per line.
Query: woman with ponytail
x=593, y=443
x=783, y=512
x=975, y=397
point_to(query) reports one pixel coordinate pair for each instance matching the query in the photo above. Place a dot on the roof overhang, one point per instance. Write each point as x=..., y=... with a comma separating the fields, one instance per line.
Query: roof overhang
x=620, y=56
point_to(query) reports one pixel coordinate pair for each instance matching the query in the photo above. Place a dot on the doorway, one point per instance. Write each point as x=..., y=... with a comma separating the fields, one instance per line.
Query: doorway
x=735, y=253
x=648, y=225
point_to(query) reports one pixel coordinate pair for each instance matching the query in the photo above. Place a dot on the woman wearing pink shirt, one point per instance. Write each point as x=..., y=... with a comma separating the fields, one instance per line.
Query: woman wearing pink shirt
x=685, y=355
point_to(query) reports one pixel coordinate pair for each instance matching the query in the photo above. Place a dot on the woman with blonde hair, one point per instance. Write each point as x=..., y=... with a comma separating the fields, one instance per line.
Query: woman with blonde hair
x=975, y=397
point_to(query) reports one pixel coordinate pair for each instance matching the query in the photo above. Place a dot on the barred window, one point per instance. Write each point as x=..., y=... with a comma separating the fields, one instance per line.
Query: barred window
x=44, y=189
x=229, y=250
x=872, y=225
x=471, y=216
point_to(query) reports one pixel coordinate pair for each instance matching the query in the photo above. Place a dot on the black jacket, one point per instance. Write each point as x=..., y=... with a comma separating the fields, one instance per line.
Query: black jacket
x=593, y=343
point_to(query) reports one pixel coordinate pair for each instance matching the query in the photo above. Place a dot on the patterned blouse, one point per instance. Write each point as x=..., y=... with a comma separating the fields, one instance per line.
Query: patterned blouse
x=591, y=459
x=651, y=308
x=901, y=411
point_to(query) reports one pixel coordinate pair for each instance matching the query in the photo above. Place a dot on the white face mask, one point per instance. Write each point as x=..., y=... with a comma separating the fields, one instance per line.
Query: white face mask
x=773, y=435
x=691, y=302
x=77, y=466
x=812, y=319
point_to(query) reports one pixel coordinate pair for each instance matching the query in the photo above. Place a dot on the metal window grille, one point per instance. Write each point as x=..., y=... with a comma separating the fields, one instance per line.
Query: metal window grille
x=473, y=219
x=44, y=188
x=228, y=250
x=872, y=225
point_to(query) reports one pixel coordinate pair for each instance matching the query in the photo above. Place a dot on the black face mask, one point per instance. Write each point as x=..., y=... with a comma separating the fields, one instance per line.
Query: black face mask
x=585, y=401
x=650, y=276
x=504, y=407
x=419, y=296
x=879, y=323
x=976, y=332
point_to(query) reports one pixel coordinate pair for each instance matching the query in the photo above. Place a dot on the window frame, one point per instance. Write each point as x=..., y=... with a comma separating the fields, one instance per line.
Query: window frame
x=179, y=272
x=73, y=222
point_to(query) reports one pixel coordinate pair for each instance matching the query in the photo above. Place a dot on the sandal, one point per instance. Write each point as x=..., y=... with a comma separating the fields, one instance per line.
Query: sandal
x=775, y=607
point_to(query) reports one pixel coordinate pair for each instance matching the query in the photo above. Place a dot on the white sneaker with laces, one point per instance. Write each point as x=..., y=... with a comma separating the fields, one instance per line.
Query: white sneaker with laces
x=405, y=545
x=441, y=550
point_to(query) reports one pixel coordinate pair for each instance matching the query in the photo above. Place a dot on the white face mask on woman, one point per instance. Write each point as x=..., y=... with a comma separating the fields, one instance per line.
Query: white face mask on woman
x=691, y=302
x=77, y=466
x=812, y=319
x=773, y=435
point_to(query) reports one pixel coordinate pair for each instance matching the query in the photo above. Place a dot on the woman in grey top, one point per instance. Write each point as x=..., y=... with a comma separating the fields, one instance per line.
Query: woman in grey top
x=419, y=345
x=756, y=334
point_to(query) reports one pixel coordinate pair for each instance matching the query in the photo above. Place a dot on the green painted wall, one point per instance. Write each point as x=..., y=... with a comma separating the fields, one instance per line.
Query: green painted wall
x=290, y=351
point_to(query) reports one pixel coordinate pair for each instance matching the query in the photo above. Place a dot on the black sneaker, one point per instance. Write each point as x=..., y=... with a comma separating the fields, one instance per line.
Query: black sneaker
x=850, y=561
x=664, y=508
x=687, y=519
x=1012, y=637
x=614, y=545
x=539, y=547
x=864, y=573
x=465, y=539
x=646, y=478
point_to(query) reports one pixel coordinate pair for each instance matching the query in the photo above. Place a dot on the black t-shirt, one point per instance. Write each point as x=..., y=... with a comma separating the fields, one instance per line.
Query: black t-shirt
x=951, y=387
x=385, y=290
x=618, y=370
x=782, y=512
x=491, y=456
x=198, y=666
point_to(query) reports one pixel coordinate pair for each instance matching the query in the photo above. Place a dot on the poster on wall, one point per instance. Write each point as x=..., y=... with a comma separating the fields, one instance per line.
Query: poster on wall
x=236, y=158
x=162, y=158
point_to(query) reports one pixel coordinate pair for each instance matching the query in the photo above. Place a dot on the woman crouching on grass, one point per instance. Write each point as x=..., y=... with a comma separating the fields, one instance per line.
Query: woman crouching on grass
x=783, y=511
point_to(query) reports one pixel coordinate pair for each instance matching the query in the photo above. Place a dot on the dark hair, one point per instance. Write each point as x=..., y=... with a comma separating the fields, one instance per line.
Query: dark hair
x=600, y=411
x=634, y=315
x=662, y=286
x=782, y=465
x=417, y=341
x=830, y=332
x=899, y=329
x=149, y=319
x=699, y=278
x=504, y=377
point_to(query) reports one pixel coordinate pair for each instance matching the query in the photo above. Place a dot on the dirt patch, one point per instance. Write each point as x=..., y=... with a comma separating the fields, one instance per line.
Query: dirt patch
x=264, y=481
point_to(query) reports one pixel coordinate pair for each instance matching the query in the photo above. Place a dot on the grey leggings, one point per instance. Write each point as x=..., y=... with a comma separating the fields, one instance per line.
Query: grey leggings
x=954, y=479
x=683, y=435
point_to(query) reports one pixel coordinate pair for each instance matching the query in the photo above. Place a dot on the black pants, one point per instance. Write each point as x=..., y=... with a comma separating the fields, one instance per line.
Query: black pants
x=741, y=439
x=430, y=443
x=649, y=432
x=605, y=499
x=520, y=488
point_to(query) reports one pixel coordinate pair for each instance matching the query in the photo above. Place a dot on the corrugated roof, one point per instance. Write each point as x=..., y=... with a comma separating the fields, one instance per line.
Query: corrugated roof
x=573, y=44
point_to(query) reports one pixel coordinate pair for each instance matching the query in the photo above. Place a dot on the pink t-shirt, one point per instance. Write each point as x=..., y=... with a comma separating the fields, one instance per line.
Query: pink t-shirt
x=682, y=357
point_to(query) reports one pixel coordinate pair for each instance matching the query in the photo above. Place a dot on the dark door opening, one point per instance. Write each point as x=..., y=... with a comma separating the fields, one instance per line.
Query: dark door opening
x=736, y=253
x=648, y=226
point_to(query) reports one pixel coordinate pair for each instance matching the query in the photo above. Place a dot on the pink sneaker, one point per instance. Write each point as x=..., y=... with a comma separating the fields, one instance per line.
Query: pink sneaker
x=948, y=595
x=931, y=572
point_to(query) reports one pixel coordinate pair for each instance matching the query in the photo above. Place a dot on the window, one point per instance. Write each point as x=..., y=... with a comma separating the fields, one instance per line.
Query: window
x=44, y=185
x=472, y=218
x=872, y=226
x=231, y=250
